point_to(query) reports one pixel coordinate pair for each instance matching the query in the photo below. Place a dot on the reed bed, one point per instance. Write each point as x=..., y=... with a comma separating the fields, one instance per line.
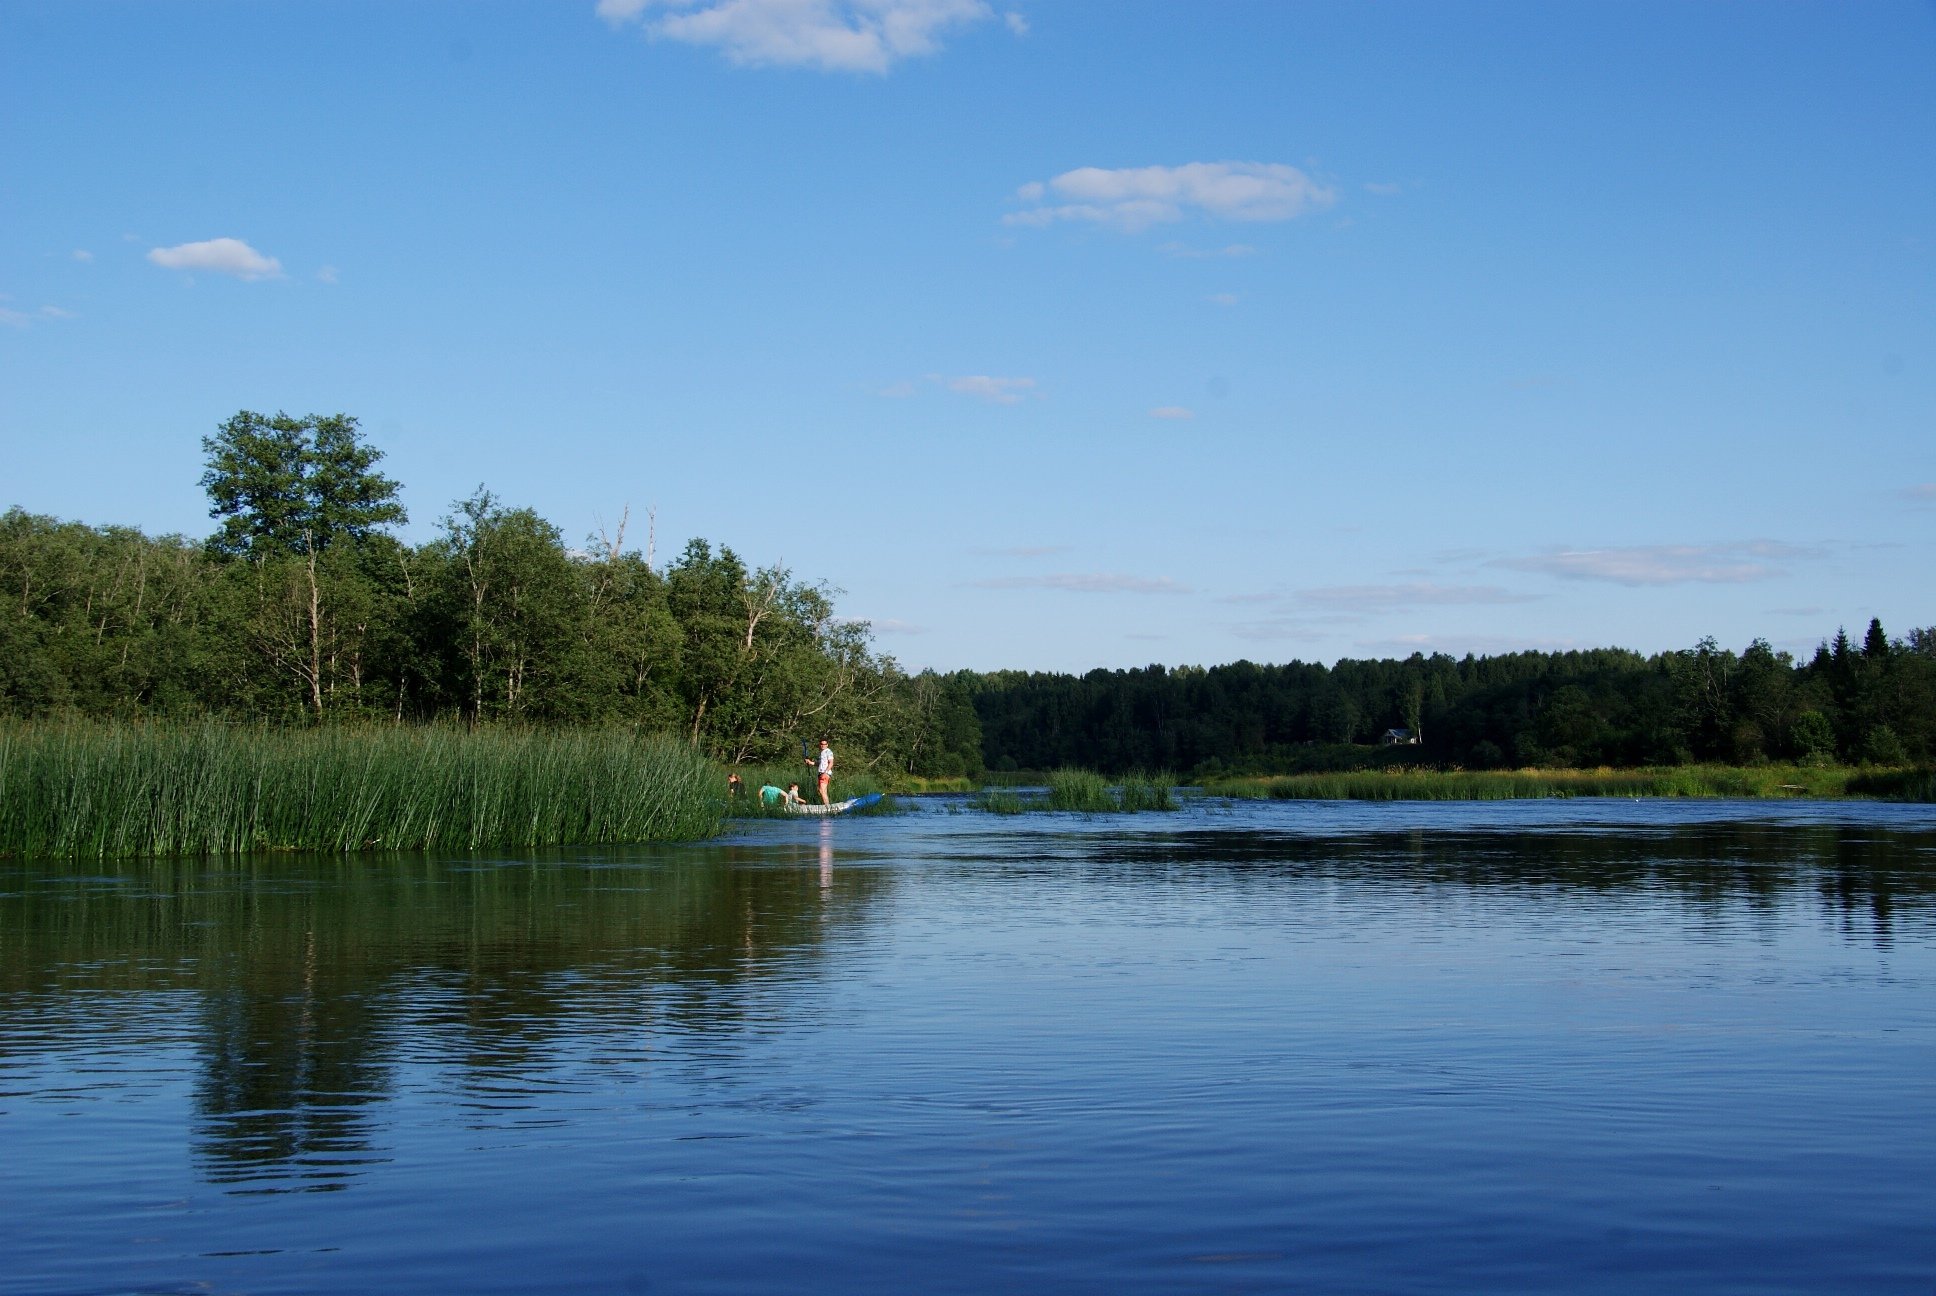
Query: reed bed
x=1895, y=784
x=1085, y=792
x=1713, y=781
x=103, y=791
x=1006, y=801
x=916, y=784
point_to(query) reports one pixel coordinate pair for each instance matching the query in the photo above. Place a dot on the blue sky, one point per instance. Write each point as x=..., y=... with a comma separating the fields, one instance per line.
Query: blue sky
x=1054, y=334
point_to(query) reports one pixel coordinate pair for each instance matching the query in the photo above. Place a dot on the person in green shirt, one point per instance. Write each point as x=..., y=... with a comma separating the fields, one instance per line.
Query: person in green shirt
x=770, y=795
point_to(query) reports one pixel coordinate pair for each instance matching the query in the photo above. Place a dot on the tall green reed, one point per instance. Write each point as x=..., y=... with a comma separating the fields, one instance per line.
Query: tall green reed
x=99, y=790
x=1086, y=792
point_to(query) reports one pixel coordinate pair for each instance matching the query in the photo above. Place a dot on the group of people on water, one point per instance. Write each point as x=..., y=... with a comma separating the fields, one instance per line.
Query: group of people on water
x=790, y=795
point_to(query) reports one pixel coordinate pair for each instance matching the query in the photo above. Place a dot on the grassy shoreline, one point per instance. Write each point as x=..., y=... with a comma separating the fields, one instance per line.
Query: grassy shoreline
x=1769, y=782
x=107, y=791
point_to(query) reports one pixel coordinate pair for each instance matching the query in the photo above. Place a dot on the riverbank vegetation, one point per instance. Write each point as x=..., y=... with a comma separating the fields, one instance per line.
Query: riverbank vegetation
x=304, y=609
x=1084, y=792
x=1767, y=782
x=111, y=790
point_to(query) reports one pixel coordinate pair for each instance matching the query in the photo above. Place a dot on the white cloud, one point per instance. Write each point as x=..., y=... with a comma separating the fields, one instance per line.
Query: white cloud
x=57, y=312
x=1086, y=583
x=1718, y=564
x=998, y=391
x=82, y=254
x=1133, y=198
x=218, y=256
x=13, y=318
x=1172, y=412
x=326, y=274
x=1016, y=23
x=897, y=391
x=1923, y=493
x=1222, y=299
x=1383, y=190
x=831, y=35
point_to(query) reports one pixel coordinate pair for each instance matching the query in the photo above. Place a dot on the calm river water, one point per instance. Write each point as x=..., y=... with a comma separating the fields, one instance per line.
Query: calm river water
x=1573, y=1046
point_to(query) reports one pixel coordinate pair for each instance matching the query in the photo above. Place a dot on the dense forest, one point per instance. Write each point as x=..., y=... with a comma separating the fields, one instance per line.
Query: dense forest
x=304, y=607
x=1869, y=703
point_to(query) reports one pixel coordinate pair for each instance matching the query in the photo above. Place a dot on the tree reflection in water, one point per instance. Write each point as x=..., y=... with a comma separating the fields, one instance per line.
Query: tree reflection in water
x=314, y=980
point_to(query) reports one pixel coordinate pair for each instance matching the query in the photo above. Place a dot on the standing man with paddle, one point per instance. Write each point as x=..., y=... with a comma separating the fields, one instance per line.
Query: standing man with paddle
x=824, y=768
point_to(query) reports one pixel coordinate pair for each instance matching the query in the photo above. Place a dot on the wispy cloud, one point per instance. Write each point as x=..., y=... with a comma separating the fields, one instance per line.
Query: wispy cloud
x=218, y=256
x=1457, y=645
x=997, y=391
x=1086, y=583
x=327, y=274
x=1172, y=412
x=1356, y=604
x=12, y=317
x=1023, y=551
x=830, y=35
x=83, y=255
x=1222, y=299
x=1133, y=198
x=1383, y=189
x=1923, y=493
x=1411, y=594
x=1285, y=629
x=1732, y=563
x=1188, y=253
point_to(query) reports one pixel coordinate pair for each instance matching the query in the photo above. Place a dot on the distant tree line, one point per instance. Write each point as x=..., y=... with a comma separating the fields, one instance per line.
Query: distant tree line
x=303, y=607
x=1874, y=702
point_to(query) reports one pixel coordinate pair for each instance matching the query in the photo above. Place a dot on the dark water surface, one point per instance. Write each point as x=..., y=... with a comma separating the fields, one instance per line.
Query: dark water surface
x=1527, y=1046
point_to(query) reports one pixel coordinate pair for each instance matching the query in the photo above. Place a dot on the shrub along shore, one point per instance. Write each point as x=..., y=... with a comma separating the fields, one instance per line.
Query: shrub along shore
x=106, y=791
